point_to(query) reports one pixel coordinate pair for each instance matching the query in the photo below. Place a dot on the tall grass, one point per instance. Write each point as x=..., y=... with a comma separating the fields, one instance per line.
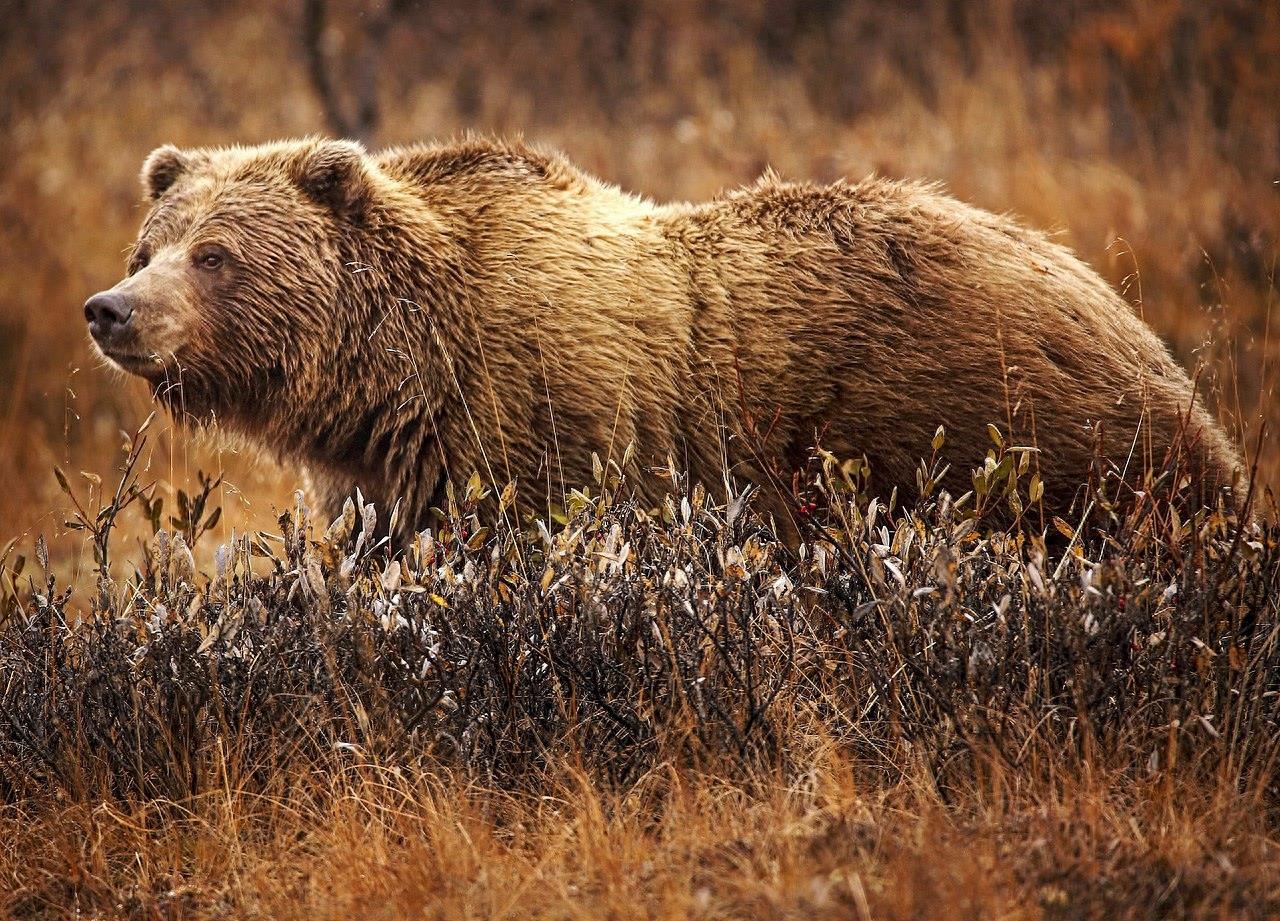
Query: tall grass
x=1081, y=725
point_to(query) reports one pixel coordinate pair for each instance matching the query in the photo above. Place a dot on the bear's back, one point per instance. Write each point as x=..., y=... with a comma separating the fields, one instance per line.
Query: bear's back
x=875, y=311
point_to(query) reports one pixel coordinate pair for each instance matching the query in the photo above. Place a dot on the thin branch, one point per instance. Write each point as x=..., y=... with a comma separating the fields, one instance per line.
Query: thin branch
x=313, y=17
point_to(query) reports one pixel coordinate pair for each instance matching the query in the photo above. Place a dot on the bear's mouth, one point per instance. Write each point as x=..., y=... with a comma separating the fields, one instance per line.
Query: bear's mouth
x=143, y=364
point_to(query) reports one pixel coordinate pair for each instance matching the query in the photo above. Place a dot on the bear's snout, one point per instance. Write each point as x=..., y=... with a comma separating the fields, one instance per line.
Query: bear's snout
x=108, y=314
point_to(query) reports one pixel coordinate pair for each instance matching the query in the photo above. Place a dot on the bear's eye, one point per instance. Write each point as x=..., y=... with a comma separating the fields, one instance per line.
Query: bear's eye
x=139, y=261
x=209, y=260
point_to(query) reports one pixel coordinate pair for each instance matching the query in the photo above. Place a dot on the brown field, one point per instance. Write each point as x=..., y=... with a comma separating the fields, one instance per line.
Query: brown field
x=1146, y=133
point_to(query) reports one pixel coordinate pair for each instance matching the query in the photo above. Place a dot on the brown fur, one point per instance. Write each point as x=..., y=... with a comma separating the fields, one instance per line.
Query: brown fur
x=393, y=320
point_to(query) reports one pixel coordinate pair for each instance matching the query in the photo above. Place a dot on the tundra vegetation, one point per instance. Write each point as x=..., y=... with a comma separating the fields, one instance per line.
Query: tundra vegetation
x=650, y=712
x=213, y=704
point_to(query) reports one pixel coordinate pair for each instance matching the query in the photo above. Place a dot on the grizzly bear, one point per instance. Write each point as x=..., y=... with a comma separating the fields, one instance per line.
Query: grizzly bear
x=392, y=322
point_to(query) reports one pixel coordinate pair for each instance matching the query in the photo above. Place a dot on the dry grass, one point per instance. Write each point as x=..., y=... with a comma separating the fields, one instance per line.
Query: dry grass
x=653, y=714
x=939, y=757
x=373, y=845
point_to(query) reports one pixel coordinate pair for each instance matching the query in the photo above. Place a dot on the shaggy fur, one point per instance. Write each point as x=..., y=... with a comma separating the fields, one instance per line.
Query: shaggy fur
x=391, y=321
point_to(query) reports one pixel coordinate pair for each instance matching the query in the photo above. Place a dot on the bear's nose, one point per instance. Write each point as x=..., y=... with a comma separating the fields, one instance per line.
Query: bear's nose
x=107, y=313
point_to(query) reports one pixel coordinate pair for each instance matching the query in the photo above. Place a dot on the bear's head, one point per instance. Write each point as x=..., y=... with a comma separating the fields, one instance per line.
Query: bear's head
x=237, y=283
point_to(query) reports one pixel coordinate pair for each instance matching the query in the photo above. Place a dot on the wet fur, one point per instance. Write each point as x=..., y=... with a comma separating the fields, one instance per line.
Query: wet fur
x=426, y=312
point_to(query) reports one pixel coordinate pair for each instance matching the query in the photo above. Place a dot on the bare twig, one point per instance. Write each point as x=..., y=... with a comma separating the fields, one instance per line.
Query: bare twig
x=359, y=118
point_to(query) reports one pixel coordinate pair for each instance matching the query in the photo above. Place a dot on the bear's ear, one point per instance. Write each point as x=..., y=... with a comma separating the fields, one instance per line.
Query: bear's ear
x=162, y=168
x=335, y=174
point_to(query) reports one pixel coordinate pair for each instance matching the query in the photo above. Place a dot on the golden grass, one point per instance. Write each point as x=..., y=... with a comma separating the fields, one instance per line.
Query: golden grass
x=372, y=843
x=908, y=721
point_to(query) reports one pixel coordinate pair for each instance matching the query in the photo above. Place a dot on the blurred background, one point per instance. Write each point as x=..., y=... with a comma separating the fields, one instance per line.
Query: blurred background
x=1145, y=133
